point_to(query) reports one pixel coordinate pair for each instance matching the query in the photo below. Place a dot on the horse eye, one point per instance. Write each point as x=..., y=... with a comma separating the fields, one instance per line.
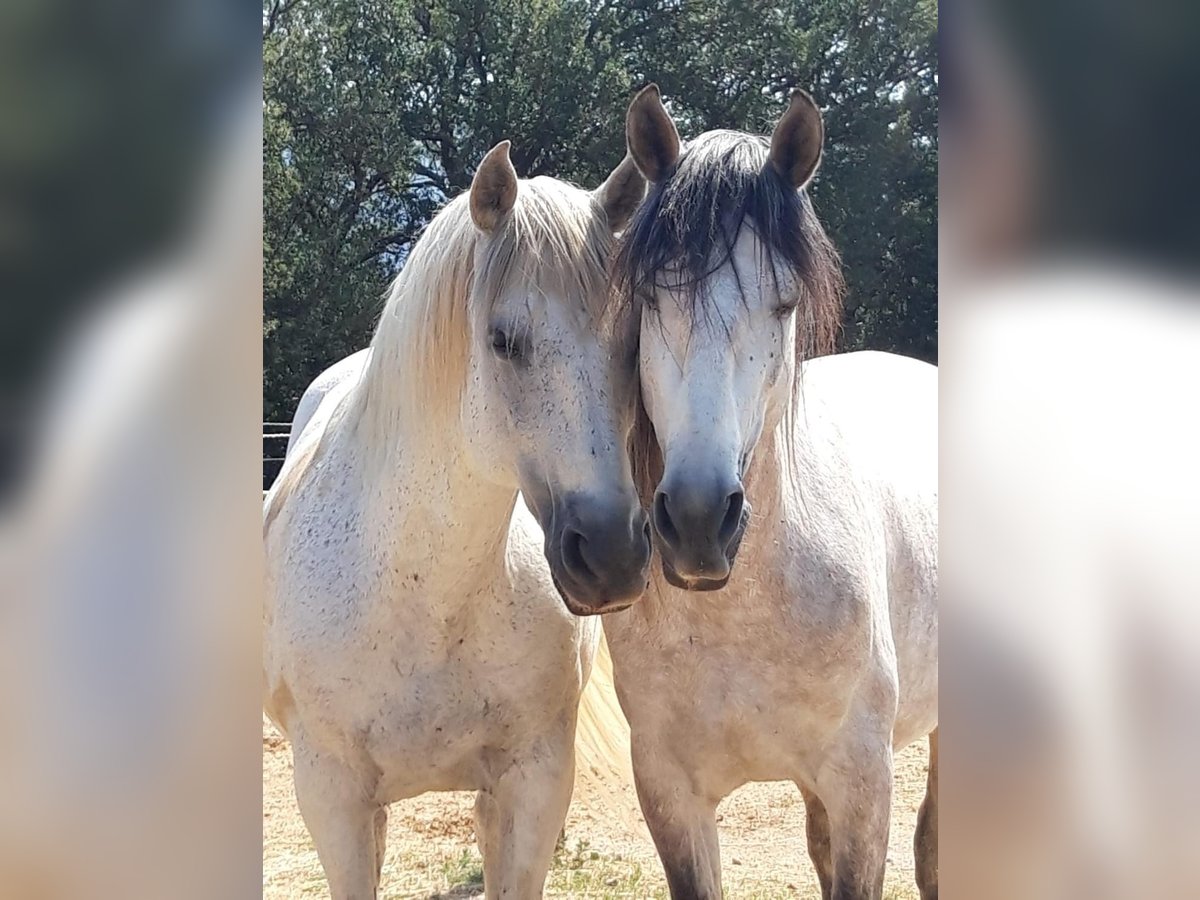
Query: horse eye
x=504, y=346
x=784, y=310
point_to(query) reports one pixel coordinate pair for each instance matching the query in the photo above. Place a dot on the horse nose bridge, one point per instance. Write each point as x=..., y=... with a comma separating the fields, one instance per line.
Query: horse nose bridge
x=591, y=458
x=709, y=360
x=707, y=407
x=702, y=459
x=598, y=411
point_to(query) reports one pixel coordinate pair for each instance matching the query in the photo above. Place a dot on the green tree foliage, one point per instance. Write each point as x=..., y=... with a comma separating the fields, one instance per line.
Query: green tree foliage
x=376, y=111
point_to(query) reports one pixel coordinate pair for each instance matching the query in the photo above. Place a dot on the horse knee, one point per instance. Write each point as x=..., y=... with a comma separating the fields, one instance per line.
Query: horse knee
x=855, y=787
x=343, y=823
x=684, y=828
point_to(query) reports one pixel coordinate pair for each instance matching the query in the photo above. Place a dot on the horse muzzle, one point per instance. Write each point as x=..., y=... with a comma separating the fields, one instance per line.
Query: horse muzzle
x=699, y=525
x=599, y=554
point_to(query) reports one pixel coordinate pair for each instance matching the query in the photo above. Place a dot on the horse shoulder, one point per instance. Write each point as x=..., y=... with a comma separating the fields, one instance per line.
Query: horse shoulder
x=884, y=409
x=860, y=494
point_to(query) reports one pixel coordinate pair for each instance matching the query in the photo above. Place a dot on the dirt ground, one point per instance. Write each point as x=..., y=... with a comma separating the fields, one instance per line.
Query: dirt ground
x=431, y=842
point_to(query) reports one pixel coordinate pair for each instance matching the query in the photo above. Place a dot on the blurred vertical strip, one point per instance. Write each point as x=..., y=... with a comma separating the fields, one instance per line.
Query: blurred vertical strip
x=130, y=352
x=111, y=113
x=1070, y=434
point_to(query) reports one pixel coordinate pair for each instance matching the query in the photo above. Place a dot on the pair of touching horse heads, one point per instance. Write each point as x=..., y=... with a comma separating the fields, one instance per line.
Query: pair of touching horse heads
x=540, y=404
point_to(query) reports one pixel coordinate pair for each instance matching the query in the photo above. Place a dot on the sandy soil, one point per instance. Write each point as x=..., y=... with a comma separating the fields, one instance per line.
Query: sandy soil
x=606, y=851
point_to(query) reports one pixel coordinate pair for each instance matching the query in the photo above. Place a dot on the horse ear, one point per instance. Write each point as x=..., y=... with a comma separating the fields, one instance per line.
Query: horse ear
x=621, y=193
x=494, y=188
x=651, y=135
x=797, y=139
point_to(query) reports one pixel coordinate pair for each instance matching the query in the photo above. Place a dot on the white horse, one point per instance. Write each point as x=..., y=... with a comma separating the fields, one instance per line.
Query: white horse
x=817, y=654
x=415, y=638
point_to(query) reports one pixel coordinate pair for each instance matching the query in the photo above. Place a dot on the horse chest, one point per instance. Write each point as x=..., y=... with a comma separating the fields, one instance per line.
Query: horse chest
x=747, y=690
x=747, y=729
x=430, y=730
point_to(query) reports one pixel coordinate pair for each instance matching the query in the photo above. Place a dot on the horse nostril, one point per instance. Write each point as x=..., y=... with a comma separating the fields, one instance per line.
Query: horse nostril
x=662, y=519
x=733, y=517
x=572, y=554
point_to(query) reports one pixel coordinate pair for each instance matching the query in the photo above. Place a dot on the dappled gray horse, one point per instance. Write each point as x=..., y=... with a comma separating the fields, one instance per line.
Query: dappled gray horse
x=417, y=632
x=795, y=638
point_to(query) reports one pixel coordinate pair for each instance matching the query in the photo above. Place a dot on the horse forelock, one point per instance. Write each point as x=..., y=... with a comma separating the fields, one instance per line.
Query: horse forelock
x=686, y=231
x=556, y=241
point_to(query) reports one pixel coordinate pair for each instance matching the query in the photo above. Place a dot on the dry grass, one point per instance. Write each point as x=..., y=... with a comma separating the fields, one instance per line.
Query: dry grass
x=432, y=854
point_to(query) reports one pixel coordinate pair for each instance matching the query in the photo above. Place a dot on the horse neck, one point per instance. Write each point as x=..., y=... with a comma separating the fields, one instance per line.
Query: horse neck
x=429, y=512
x=766, y=478
x=430, y=516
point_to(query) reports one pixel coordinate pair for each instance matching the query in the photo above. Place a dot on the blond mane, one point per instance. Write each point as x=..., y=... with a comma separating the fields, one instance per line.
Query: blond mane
x=555, y=241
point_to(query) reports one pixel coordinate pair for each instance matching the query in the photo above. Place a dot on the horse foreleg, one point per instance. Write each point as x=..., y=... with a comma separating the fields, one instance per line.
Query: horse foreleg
x=925, y=843
x=518, y=818
x=855, y=786
x=683, y=825
x=345, y=823
x=816, y=827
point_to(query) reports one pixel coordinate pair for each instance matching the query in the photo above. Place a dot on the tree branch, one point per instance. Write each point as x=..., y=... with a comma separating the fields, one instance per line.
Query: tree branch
x=279, y=8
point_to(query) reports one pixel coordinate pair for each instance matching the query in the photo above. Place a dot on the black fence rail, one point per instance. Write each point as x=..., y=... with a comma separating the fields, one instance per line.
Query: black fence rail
x=275, y=439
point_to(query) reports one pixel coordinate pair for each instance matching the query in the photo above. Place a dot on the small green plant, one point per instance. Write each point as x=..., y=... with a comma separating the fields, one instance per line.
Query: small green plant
x=584, y=872
x=464, y=870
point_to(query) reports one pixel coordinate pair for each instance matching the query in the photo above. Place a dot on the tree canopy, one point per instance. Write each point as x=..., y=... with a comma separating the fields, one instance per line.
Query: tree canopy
x=377, y=111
